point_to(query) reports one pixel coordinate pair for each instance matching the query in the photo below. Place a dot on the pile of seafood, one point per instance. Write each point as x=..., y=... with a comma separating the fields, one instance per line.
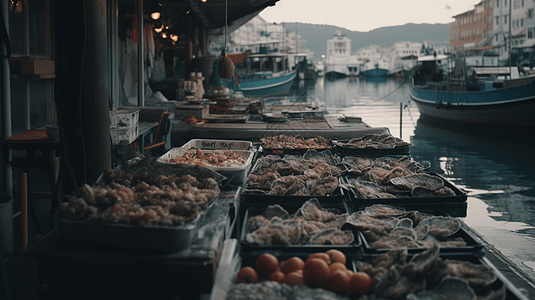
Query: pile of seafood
x=313, y=174
x=428, y=276
x=390, y=177
x=389, y=227
x=143, y=197
x=280, y=291
x=311, y=224
x=295, y=142
x=215, y=158
x=375, y=141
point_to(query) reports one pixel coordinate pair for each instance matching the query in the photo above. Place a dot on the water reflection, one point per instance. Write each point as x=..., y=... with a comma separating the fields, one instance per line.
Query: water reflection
x=494, y=165
x=497, y=170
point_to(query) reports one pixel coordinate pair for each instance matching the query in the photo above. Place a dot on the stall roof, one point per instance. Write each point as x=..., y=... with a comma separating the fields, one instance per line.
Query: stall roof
x=212, y=12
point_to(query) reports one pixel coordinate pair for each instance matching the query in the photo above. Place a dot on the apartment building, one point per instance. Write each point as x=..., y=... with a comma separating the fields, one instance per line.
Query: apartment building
x=473, y=27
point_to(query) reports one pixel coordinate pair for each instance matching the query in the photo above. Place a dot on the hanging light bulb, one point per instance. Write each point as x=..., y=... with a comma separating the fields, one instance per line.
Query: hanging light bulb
x=158, y=26
x=174, y=37
x=164, y=35
x=155, y=15
x=204, y=1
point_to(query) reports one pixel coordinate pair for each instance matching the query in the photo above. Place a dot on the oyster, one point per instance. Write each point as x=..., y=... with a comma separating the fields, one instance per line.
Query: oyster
x=313, y=211
x=421, y=263
x=332, y=236
x=441, y=227
x=411, y=181
x=275, y=211
x=449, y=288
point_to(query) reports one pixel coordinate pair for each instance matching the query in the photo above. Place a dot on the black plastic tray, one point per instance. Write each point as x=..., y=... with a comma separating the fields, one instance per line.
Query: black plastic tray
x=356, y=203
x=451, y=209
x=130, y=238
x=287, y=151
x=474, y=246
x=338, y=197
x=350, y=249
x=512, y=292
x=345, y=150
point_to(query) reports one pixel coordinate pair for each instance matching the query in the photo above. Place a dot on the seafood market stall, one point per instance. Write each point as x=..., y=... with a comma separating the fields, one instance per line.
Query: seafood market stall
x=285, y=217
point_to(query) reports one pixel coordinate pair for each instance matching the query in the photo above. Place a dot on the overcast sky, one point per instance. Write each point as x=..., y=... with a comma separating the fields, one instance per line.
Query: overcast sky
x=365, y=15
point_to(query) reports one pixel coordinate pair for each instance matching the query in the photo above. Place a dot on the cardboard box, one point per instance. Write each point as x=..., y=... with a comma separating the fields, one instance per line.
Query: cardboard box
x=29, y=65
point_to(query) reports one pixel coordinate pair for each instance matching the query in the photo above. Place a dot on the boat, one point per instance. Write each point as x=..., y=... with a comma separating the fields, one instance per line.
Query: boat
x=264, y=73
x=339, y=62
x=502, y=96
x=373, y=62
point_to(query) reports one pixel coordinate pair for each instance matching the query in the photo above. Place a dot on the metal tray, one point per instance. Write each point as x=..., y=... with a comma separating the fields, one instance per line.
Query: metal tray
x=473, y=247
x=511, y=293
x=130, y=238
x=358, y=203
x=254, y=210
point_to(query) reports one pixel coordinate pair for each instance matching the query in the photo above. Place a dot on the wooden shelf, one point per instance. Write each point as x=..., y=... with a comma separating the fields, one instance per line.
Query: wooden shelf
x=33, y=76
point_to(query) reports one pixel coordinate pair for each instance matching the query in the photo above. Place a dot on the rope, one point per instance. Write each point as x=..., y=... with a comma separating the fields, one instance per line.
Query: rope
x=391, y=92
x=226, y=23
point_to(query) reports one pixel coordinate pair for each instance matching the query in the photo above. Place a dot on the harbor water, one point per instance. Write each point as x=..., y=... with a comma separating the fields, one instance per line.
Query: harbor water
x=495, y=166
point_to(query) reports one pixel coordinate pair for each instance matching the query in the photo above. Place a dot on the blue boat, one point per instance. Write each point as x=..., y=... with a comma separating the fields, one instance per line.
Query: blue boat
x=264, y=74
x=375, y=68
x=475, y=95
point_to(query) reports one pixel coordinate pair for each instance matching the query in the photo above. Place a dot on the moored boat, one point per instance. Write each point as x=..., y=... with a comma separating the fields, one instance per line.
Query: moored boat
x=264, y=74
x=473, y=95
x=339, y=61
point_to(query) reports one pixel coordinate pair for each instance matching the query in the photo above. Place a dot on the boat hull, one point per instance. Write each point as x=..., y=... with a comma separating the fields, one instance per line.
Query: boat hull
x=511, y=106
x=270, y=86
x=375, y=73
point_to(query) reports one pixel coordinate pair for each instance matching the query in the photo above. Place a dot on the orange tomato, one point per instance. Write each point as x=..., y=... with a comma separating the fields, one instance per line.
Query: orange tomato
x=322, y=255
x=267, y=263
x=277, y=276
x=316, y=271
x=292, y=264
x=359, y=284
x=337, y=255
x=338, y=281
x=247, y=275
x=336, y=266
x=294, y=278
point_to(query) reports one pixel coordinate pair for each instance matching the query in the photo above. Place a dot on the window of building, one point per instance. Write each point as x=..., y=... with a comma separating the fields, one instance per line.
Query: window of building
x=531, y=32
x=530, y=13
x=29, y=97
x=497, y=3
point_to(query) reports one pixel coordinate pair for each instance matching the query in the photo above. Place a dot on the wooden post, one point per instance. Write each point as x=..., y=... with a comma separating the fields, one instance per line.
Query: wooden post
x=24, y=209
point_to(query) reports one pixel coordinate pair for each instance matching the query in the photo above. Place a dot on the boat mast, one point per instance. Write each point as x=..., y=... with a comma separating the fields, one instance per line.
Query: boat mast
x=510, y=38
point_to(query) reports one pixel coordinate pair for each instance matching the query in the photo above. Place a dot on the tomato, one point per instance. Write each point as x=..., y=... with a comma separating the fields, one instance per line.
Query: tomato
x=292, y=264
x=359, y=284
x=337, y=256
x=316, y=271
x=267, y=263
x=247, y=275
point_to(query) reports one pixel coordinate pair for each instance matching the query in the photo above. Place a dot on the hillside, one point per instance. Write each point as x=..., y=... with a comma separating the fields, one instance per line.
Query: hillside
x=316, y=36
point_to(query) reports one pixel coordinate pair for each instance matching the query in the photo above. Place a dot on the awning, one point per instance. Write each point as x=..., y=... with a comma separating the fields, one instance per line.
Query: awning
x=492, y=71
x=432, y=57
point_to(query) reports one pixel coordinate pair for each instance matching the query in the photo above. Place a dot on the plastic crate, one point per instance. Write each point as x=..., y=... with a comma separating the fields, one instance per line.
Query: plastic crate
x=121, y=136
x=124, y=118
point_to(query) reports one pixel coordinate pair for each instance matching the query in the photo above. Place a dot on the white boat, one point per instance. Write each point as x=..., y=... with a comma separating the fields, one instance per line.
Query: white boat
x=339, y=62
